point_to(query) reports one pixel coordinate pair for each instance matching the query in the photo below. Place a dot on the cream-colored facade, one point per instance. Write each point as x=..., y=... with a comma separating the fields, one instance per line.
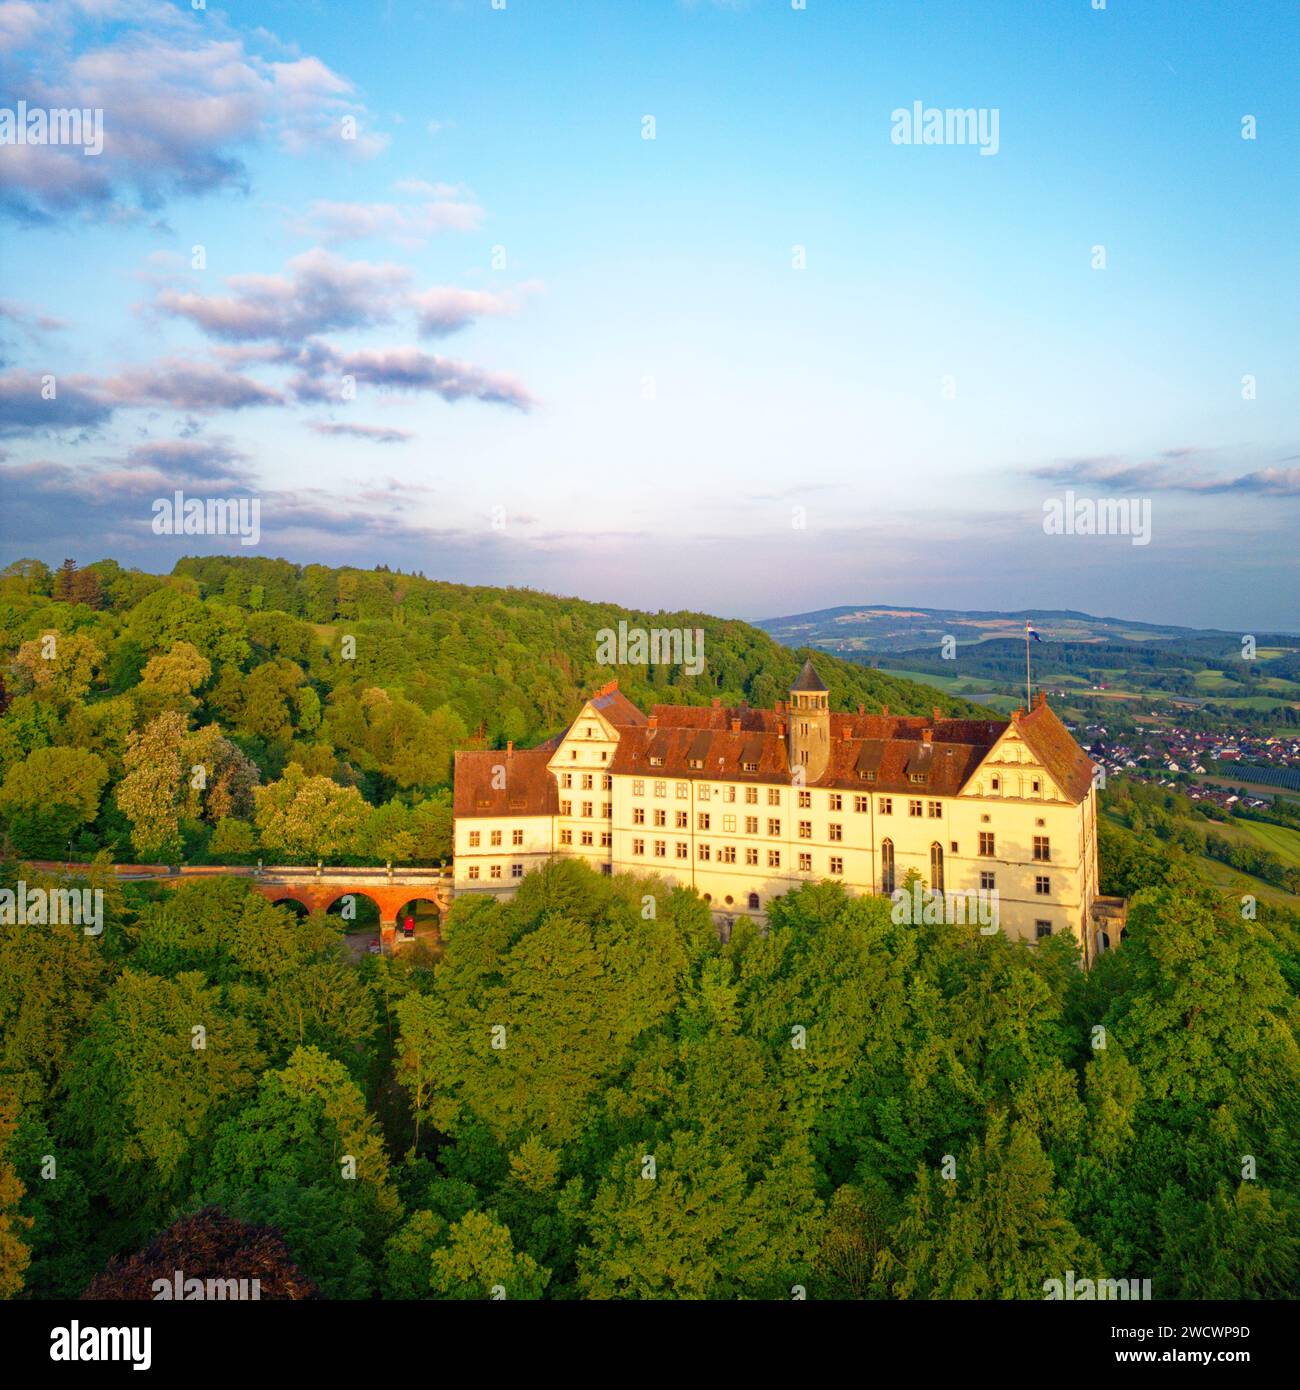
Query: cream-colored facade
x=744, y=805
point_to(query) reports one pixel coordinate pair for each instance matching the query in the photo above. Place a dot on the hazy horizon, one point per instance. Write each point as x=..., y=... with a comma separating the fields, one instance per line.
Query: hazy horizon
x=419, y=282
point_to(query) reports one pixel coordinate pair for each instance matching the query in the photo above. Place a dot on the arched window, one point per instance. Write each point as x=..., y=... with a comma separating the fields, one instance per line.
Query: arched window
x=936, y=867
x=886, y=866
x=753, y=901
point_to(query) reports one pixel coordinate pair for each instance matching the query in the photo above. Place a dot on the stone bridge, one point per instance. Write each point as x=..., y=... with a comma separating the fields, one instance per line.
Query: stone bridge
x=317, y=890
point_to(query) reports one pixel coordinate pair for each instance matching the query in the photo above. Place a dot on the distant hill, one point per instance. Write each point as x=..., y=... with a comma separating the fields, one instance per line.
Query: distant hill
x=880, y=628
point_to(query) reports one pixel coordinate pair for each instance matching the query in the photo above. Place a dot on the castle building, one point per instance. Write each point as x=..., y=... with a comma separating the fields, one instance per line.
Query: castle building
x=745, y=804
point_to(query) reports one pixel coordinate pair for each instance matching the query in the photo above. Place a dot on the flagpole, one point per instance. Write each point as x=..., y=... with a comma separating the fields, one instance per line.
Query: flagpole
x=1029, y=703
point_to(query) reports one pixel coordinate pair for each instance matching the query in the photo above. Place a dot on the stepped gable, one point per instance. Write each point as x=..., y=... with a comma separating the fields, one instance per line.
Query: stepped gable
x=529, y=788
x=1054, y=746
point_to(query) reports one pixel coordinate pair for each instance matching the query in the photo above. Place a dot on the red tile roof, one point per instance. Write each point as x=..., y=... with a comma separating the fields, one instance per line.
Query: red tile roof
x=879, y=752
x=529, y=789
x=1054, y=746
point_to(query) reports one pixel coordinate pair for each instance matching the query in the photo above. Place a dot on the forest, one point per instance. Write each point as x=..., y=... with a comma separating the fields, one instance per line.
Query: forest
x=585, y=1093
x=246, y=708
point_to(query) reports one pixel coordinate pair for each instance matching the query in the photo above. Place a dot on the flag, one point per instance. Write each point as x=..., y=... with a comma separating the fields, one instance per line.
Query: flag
x=1029, y=632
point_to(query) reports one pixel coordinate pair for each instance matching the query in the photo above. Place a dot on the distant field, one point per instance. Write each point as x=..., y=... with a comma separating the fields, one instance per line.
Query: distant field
x=1284, y=842
x=1223, y=876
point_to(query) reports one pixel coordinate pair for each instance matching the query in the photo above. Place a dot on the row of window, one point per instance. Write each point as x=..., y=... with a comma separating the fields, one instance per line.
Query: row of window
x=588, y=809
x=495, y=871
x=1042, y=846
x=726, y=854
x=588, y=781
x=494, y=838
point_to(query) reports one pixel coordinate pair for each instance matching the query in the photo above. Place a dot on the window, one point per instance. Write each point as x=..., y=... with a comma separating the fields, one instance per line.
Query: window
x=696, y=763
x=749, y=767
x=751, y=825
x=1036, y=784
x=702, y=851
x=606, y=869
x=773, y=796
x=727, y=854
x=573, y=754
x=661, y=788
x=683, y=790
x=953, y=846
x=753, y=902
x=703, y=792
x=997, y=784
x=606, y=809
x=729, y=824
x=805, y=863
x=936, y=867
x=566, y=779
x=866, y=776
x=661, y=849
x=1042, y=849
x=475, y=839
x=656, y=760
x=702, y=821
x=835, y=802
x=606, y=782
x=516, y=837
x=805, y=830
x=835, y=831
x=586, y=809
x=606, y=839
x=683, y=849
x=1042, y=928
x=680, y=820
x=774, y=827
x=751, y=793
x=751, y=856
x=638, y=786
x=987, y=883
x=604, y=757
x=588, y=839
x=566, y=808
x=862, y=804
x=638, y=815
x=837, y=865
x=473, y=871
x=987, y=847
x=934, y=809
x=495, y=871
x=494, y=838
x=661, y=818
x=886, y=805
x=586, y=781
x=1042, y=884
x=913, y=808
x=566, y=837
x=774, y=859
x=886, y=866
x=917, y=778
x=727, y=793
x=516, y=871
x=805, y=801
x=638, y=846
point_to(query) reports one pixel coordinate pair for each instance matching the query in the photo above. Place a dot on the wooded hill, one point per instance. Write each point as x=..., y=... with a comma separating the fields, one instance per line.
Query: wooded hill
x=324, y=704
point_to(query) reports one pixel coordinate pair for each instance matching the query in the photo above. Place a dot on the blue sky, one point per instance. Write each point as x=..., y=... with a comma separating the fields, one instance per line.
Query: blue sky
x=585, y=360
